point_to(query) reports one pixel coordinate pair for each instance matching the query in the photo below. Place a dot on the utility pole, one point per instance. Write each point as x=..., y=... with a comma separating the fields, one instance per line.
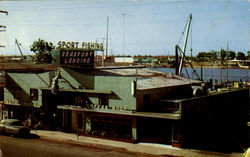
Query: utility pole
x=107, y=37
x=3, y=26
x=102, y=52
x=4, y=11
x=123, y=23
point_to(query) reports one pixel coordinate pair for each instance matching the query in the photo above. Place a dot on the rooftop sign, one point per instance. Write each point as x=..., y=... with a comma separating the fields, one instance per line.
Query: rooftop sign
x=83, y=45
x=76, y=56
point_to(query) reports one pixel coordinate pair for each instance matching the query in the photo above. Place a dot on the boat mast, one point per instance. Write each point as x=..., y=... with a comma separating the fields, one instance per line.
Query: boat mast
x=107, y=37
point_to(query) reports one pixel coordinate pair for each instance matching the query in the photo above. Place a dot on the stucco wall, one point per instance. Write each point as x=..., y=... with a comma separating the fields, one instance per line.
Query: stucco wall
x=24, y=86
x=121, y=87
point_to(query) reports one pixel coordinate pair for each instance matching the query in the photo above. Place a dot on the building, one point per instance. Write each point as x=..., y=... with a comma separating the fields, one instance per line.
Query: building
x=129, y=104
x=124, y=60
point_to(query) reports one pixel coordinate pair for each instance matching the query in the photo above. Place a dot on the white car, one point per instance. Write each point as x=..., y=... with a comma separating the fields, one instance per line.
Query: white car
x=13, y=127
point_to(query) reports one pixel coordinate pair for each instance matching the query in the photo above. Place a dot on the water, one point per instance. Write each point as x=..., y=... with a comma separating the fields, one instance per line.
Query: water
x=214, y=73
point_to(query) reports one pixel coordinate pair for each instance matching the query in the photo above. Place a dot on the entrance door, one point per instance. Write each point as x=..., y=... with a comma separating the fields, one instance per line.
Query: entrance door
x=80, y=120
x=67, y=120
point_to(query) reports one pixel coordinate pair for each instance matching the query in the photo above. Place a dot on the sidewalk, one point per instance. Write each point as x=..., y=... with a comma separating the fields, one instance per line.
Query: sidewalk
x=148, y=148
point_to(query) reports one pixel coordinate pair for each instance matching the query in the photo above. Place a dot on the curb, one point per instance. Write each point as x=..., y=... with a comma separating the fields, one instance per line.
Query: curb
x=143, y=148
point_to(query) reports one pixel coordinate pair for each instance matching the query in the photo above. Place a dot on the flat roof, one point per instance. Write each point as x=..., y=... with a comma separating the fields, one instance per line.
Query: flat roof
x=151, y=79
x=121, y=67
x=25, y=67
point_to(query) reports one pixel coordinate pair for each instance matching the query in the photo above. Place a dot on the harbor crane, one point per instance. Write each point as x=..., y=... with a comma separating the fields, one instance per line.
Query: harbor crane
x=178, y=70
x=18, y=45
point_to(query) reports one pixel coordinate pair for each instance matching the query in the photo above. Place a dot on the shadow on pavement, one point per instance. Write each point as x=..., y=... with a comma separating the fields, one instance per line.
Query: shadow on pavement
x=31, y=136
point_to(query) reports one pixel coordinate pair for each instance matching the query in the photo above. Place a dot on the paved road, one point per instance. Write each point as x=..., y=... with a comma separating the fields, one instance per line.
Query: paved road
x=38, y=147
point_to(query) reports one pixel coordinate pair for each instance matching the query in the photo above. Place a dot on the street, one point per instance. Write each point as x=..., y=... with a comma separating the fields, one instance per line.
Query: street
x=38, y=147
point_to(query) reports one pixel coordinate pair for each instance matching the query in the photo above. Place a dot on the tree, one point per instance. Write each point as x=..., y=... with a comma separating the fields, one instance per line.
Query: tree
x=42, y=49
x=213, y=54
x=223, y=54
x=240, y=56
x=201, y=57
x=231, y=55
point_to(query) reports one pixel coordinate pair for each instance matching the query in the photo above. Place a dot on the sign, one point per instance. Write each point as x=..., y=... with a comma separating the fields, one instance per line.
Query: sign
x=84, y=45
x=76, y=56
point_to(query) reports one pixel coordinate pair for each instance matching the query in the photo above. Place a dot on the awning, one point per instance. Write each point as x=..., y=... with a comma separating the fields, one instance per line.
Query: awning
x=172, y=116
x=90, y=91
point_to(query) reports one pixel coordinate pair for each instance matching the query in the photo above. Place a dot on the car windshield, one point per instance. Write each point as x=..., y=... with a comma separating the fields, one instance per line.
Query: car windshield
x=17, y=123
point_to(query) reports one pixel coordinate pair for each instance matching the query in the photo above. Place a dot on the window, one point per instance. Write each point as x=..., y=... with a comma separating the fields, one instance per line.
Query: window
x=17, y=93
x=147, y=102
x=33, y=94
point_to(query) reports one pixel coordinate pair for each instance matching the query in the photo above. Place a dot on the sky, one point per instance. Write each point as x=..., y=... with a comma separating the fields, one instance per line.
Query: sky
x=135, y=27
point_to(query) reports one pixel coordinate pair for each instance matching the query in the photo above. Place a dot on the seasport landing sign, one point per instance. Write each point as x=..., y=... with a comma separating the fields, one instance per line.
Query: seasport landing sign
x=77, y=57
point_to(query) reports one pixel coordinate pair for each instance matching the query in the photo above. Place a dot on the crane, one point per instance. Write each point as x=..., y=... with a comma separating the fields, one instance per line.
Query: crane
x=184, y=47
x=18, y=45
x=178, y=69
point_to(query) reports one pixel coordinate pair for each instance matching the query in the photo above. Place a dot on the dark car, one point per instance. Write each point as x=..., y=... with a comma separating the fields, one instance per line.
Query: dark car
x=13, y=127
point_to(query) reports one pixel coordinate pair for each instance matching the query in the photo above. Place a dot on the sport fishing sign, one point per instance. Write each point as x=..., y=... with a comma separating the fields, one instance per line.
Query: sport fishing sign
x=83, y=45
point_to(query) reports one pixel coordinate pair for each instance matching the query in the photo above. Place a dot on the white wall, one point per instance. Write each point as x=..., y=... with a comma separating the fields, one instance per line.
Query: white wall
x=124, y=59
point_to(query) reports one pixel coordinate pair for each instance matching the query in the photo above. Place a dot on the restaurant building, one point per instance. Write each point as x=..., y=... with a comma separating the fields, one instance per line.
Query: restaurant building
x=130, y=104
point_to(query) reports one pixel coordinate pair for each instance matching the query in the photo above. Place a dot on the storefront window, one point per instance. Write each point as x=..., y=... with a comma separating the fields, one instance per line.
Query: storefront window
x=111, y=127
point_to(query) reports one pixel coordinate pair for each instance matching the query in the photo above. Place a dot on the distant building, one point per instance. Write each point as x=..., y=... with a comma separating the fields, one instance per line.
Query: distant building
x=124, y=59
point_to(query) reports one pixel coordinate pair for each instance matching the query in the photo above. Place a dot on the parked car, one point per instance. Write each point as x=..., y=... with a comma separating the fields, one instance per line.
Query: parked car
x=13, y=127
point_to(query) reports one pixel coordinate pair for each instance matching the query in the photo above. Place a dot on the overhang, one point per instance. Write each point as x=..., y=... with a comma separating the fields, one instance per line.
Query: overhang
x=171, y=116
x=90, y=91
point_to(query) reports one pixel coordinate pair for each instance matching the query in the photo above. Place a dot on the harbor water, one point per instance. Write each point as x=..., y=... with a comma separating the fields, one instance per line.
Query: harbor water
x=216, y=74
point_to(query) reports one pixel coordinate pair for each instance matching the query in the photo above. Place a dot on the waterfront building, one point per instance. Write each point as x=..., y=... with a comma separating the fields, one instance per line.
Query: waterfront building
x=131, y=104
